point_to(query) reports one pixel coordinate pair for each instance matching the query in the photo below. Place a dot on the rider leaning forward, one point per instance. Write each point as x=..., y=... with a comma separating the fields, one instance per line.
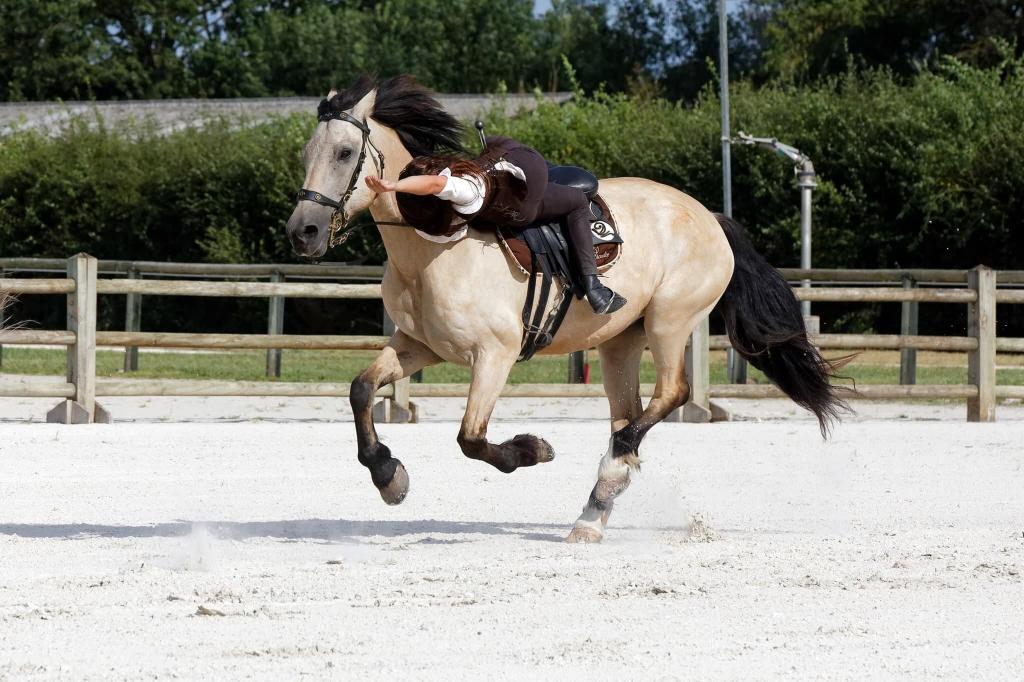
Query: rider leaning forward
x=506, y=185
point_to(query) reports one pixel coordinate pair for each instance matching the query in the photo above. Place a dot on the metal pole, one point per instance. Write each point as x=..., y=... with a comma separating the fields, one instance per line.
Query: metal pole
x=577, y=361
x=132, y=323
x=723, y=61
x=275, y=325
x=3, y=273
x=723, y=67
x=908, y=327
x=736, y=366
x=805, y=180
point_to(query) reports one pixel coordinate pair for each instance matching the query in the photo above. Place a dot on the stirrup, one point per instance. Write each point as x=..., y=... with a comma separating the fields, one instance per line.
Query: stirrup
x=615, y=303
x=608, y=301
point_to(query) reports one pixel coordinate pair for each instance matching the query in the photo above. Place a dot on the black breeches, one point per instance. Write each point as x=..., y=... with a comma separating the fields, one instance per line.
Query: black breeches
x=549, y=201
x=572, y=203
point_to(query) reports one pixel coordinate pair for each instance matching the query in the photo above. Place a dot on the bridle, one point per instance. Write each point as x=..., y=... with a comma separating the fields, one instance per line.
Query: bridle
x=338, y=221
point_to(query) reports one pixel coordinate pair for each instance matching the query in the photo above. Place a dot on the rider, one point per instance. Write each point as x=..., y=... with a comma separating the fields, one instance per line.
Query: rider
x=506, y=185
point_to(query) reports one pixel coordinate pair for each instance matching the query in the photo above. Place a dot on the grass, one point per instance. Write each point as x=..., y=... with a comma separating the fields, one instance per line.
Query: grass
x=342, y=366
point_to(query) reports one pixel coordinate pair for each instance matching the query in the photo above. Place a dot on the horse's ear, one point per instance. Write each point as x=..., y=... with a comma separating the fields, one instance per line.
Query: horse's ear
x=364, y=107
x=331, y=94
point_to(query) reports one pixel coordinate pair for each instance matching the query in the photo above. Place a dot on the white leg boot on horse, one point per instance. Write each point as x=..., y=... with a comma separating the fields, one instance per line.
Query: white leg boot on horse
x=461, y=301
x=402, y=357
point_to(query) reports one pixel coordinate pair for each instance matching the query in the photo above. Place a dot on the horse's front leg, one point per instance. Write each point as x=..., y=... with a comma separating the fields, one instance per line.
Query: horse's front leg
x=402, y=356
x=489, y=375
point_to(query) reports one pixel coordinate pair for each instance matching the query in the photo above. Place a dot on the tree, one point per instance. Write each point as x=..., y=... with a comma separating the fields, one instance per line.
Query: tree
x=694, y=44
x=821, y=37
x=48, y=50
x=577, y=30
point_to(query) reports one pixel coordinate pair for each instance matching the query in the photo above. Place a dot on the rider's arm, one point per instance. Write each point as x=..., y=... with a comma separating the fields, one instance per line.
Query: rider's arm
x=465, y=193
x=414, y=184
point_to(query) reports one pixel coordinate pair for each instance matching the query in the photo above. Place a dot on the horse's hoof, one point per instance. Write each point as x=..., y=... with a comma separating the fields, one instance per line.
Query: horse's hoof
x=546, y=453
x=584, y=534
x=395, y=491
x=532, y=449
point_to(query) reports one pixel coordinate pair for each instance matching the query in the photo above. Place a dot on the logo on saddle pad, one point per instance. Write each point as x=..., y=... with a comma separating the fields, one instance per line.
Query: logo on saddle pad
x=602, y=231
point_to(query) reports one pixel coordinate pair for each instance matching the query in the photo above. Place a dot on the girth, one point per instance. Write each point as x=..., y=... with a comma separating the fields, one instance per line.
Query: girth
x=548, y=257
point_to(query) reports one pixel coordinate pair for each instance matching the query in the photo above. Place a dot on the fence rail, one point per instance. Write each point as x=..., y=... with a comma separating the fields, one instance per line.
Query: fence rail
x=79, y=390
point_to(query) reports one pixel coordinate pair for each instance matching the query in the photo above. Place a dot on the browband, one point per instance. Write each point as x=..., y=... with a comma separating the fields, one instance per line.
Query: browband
x=344, y=116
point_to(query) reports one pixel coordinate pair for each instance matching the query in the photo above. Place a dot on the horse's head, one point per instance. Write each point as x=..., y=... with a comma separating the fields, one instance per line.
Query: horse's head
x=337, y=158
x=360, y=130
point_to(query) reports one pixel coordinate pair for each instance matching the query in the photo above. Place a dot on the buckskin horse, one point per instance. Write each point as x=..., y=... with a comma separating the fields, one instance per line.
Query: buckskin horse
x=461, y=301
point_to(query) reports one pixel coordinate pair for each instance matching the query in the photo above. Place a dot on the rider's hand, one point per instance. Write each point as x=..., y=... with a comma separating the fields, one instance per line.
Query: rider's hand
x=380, y=185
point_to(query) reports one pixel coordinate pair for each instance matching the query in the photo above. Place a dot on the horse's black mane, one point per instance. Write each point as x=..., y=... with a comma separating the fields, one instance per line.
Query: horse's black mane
x=408, y=108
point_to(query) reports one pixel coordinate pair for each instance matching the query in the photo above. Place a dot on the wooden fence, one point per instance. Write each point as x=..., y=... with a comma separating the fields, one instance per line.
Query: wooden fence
x=79, y=390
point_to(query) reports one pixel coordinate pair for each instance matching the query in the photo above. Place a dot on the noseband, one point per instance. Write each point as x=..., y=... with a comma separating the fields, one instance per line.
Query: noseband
x=338, y=221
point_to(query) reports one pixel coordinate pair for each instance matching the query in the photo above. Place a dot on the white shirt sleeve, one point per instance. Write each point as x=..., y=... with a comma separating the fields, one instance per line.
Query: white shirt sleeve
x=511, y=168
x=465, y=193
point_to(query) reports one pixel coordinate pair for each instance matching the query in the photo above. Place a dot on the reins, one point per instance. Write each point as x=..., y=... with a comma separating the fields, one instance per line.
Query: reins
x=338, y=222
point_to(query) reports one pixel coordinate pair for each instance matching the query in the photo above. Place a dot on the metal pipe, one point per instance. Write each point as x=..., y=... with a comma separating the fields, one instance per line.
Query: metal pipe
x=723, y=67
x=908, y=327
x=132, y=323
x=805, y=181
x=736, y=366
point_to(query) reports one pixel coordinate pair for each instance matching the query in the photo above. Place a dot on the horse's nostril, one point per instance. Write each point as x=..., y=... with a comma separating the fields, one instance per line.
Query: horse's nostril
x=310, y=230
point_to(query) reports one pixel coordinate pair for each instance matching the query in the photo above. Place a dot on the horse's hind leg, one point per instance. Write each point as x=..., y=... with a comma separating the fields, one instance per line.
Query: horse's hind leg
x=620, y=369
x=402, y=356
x=667, y=335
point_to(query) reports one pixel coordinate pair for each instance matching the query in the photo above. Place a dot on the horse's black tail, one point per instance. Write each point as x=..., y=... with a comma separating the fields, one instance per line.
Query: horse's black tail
x=765, y=326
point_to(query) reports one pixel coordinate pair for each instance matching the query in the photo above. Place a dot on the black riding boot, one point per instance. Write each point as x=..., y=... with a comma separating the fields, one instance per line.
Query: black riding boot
x=603, y=300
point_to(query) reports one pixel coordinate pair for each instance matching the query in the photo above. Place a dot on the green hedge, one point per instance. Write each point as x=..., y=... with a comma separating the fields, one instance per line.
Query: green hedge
x=210, y=194
x=926, y=175
x=929, y=174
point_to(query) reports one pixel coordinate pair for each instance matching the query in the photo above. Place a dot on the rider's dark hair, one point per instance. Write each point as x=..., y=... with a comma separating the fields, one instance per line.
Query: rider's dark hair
x=408, y=108
x=429, y=213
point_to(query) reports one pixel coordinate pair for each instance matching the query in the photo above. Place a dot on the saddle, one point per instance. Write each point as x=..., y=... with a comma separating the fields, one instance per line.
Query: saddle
x=543, y=249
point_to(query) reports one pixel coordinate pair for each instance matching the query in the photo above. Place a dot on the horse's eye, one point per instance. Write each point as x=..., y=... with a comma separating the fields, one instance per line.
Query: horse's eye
x=344, y=154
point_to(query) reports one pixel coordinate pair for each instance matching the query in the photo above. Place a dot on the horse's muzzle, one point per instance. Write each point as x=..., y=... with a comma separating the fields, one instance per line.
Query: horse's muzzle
x=307, y=237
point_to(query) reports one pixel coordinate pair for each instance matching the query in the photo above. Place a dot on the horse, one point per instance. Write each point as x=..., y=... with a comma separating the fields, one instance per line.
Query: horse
x=461, y=301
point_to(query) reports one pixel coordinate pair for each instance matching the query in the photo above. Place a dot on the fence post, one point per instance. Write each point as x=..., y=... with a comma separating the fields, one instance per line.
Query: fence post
x=275, y=325
x=577, y=362
x=132, y=323
x=698, y=373
x=82, y=355
x=908, y=327
x=981, y=363
x=398, y=409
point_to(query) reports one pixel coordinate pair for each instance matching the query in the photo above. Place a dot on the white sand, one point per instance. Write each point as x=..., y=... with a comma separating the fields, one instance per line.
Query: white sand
x=896, y=549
